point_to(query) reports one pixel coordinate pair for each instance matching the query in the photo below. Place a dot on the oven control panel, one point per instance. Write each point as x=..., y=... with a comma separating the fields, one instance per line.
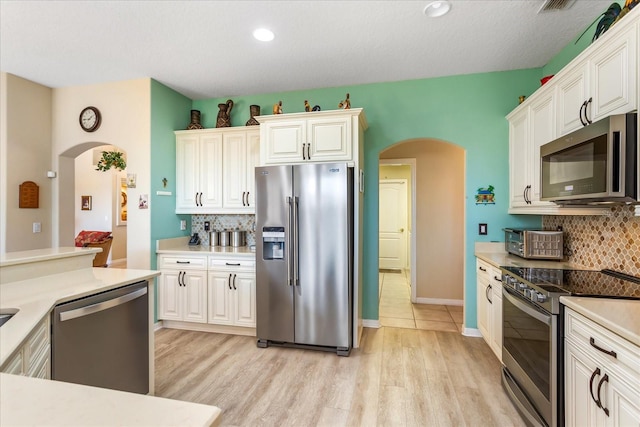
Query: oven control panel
x=544, y=298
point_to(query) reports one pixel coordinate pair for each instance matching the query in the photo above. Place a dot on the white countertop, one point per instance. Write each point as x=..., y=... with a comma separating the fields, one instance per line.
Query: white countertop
x=179, y=245
x=620, y=316
x=36, y=402
x=24, y=257
x=494, y=254
x=34, y=298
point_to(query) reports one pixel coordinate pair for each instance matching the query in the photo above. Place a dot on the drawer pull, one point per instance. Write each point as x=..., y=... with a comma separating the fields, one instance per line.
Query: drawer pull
x=183, y=262
x=233, y=263
x=482, y=269
x=611, y=353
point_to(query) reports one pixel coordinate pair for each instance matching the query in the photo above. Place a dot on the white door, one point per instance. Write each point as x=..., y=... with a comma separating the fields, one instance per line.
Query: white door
x=393, y=223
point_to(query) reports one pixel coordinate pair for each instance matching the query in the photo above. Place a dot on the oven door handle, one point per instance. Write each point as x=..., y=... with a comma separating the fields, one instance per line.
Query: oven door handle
x=526, y=308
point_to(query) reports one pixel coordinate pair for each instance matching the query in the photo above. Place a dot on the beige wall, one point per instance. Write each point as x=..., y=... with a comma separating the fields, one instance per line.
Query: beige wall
x=101, y=186
x=25, y=155
x=126, y=118
x=439, y=227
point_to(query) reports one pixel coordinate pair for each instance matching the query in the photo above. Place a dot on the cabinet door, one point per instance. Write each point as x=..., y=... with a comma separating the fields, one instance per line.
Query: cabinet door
x=572, y=93
x=519, y=158
x=195, y=296
x=329, y=139
x=623, y=404
x=187, y=172
x=253, y=160
x=235, y=174
x=484, y=308
x=496, y=315
x=210, y=172
x=169, y=295
x=219, y=301
x=580, y=381
x=245, y=299
x=283, y=142
x=613, y=77
x=542, y=130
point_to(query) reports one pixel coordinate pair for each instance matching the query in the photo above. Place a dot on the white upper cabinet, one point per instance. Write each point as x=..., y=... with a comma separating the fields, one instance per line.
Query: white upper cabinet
x=215, y=170
x=601, y=81
x=319, y=136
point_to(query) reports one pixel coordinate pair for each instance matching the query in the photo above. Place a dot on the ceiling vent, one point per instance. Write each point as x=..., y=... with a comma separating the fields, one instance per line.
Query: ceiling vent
x=552, y=5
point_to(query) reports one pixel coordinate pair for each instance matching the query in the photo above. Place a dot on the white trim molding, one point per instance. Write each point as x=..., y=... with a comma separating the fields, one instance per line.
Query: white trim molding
x=371, y=323
x=471, y=332
x=440, y=301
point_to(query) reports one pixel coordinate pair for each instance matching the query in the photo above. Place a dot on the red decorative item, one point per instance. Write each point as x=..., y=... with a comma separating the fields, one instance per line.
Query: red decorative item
x=545, y=79
x=85, y=237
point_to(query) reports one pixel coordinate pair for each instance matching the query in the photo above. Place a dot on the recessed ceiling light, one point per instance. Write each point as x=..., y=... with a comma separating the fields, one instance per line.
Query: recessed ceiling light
x=263, y=35
x=437, y=8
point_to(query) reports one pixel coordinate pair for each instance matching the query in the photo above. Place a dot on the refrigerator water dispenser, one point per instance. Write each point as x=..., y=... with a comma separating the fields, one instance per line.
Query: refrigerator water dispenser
x=272, y=243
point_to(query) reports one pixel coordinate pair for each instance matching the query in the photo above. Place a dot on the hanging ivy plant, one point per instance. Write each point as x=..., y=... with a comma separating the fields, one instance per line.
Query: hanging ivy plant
x=111, y=159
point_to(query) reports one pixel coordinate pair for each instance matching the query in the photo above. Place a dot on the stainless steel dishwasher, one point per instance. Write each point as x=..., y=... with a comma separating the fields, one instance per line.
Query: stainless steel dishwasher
x=103, y=340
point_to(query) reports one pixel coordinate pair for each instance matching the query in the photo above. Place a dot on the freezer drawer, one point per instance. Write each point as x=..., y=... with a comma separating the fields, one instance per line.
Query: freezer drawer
x=103, y=340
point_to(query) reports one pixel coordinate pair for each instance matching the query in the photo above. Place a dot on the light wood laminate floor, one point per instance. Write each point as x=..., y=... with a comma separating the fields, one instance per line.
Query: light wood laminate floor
x=398, y=377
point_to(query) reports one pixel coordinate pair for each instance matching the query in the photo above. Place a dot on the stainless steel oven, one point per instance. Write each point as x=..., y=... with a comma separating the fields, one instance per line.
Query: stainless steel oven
x=530, y=357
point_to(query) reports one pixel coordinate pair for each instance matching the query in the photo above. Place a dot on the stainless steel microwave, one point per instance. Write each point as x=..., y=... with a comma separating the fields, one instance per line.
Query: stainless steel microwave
x=595, y=164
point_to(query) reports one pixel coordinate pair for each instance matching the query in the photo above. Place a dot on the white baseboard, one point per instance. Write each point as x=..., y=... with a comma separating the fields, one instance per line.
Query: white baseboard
x=471, y=332
x=206, y=327
x=158, y=325
x=440, y=301
x=371, y=323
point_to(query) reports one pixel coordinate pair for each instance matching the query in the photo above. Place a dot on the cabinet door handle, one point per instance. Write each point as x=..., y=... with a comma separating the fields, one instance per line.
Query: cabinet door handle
x=248, y=199
x=482, y=269
x=234, y=282
x=604, y=379
x=304, y=156
x=586, y=105
x=593, y=376
x=486, y=294
x=611, y=353
x=229, y=281
x=583, y=108
x=179, y=276
x=308, y=151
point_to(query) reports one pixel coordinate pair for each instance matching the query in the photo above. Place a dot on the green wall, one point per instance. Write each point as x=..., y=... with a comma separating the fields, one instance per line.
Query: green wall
x=466, y=110
x=169, y=112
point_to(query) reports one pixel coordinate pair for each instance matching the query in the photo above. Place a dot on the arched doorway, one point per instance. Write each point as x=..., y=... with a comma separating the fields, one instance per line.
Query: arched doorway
x=435, y=280
x=80, y=181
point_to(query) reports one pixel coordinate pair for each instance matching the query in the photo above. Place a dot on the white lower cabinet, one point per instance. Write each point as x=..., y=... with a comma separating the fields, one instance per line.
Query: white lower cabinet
x=182, y=289
x=34, y=357
x=489, y=305
x=602, y=375
x=232, y=292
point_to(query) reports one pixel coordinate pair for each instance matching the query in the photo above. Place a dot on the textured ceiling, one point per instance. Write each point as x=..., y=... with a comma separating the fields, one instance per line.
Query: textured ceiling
x=204, y=49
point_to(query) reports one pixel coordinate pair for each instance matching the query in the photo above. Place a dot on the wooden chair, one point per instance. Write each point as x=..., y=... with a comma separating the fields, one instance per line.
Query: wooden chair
x=101, y=259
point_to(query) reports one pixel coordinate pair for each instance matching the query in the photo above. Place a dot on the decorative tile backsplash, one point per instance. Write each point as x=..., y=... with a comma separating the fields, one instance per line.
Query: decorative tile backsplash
x=224, y=222
x=599, y=242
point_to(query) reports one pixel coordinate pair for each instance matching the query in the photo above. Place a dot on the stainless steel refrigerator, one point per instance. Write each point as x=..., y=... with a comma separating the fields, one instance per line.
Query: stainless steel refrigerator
x=304, y=256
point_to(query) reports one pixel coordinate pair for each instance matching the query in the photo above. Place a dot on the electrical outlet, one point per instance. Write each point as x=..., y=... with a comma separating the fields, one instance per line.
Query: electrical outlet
x=183, y=224
x=482, y=229
x=37, y=227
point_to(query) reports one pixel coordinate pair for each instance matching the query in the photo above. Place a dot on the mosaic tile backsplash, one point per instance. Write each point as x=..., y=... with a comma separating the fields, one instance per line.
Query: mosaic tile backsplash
x=599, y=242
x=224, y=222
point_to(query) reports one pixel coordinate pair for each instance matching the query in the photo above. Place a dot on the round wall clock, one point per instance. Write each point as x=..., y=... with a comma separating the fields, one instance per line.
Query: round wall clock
x=90, y=119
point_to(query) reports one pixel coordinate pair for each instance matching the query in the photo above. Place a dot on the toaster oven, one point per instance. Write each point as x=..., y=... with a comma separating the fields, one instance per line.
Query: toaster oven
x=534, y=244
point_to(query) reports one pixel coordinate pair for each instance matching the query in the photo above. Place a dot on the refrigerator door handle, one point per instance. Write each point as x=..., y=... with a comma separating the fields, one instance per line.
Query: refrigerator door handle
x=289, y=239
x=296, y=236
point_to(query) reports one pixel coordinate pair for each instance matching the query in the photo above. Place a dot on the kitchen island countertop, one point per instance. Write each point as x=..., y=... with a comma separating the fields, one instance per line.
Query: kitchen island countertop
x=36, y=402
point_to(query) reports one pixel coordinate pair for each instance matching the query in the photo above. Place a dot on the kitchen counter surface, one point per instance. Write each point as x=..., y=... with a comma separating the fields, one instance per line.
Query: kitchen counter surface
x=180, y=246
x=14, y=258
x=620, y=316
x=34, y=298
x=31, y=401
x=494, y=254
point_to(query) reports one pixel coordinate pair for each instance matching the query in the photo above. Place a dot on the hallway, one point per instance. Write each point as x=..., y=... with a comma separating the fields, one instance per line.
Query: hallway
x=396, y=309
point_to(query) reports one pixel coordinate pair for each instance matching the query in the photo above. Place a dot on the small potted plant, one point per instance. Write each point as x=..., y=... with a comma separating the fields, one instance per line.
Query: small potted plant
x=111, y=159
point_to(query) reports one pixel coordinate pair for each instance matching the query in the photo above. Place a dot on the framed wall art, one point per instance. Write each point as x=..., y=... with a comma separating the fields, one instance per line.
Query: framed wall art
x=85, y=203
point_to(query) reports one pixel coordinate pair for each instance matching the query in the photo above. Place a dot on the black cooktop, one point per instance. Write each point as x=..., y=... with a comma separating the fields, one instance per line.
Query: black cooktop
x=605, y=283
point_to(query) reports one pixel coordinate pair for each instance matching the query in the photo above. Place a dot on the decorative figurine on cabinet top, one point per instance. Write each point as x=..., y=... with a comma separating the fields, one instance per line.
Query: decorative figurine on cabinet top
x=224, y=115
x=195, y=120
x=307, y=107
x=254, y=110
x=346, y=104
x=277, y=108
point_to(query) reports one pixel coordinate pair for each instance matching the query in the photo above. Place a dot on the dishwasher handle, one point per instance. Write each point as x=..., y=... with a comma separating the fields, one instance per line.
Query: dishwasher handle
x=104, y=305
